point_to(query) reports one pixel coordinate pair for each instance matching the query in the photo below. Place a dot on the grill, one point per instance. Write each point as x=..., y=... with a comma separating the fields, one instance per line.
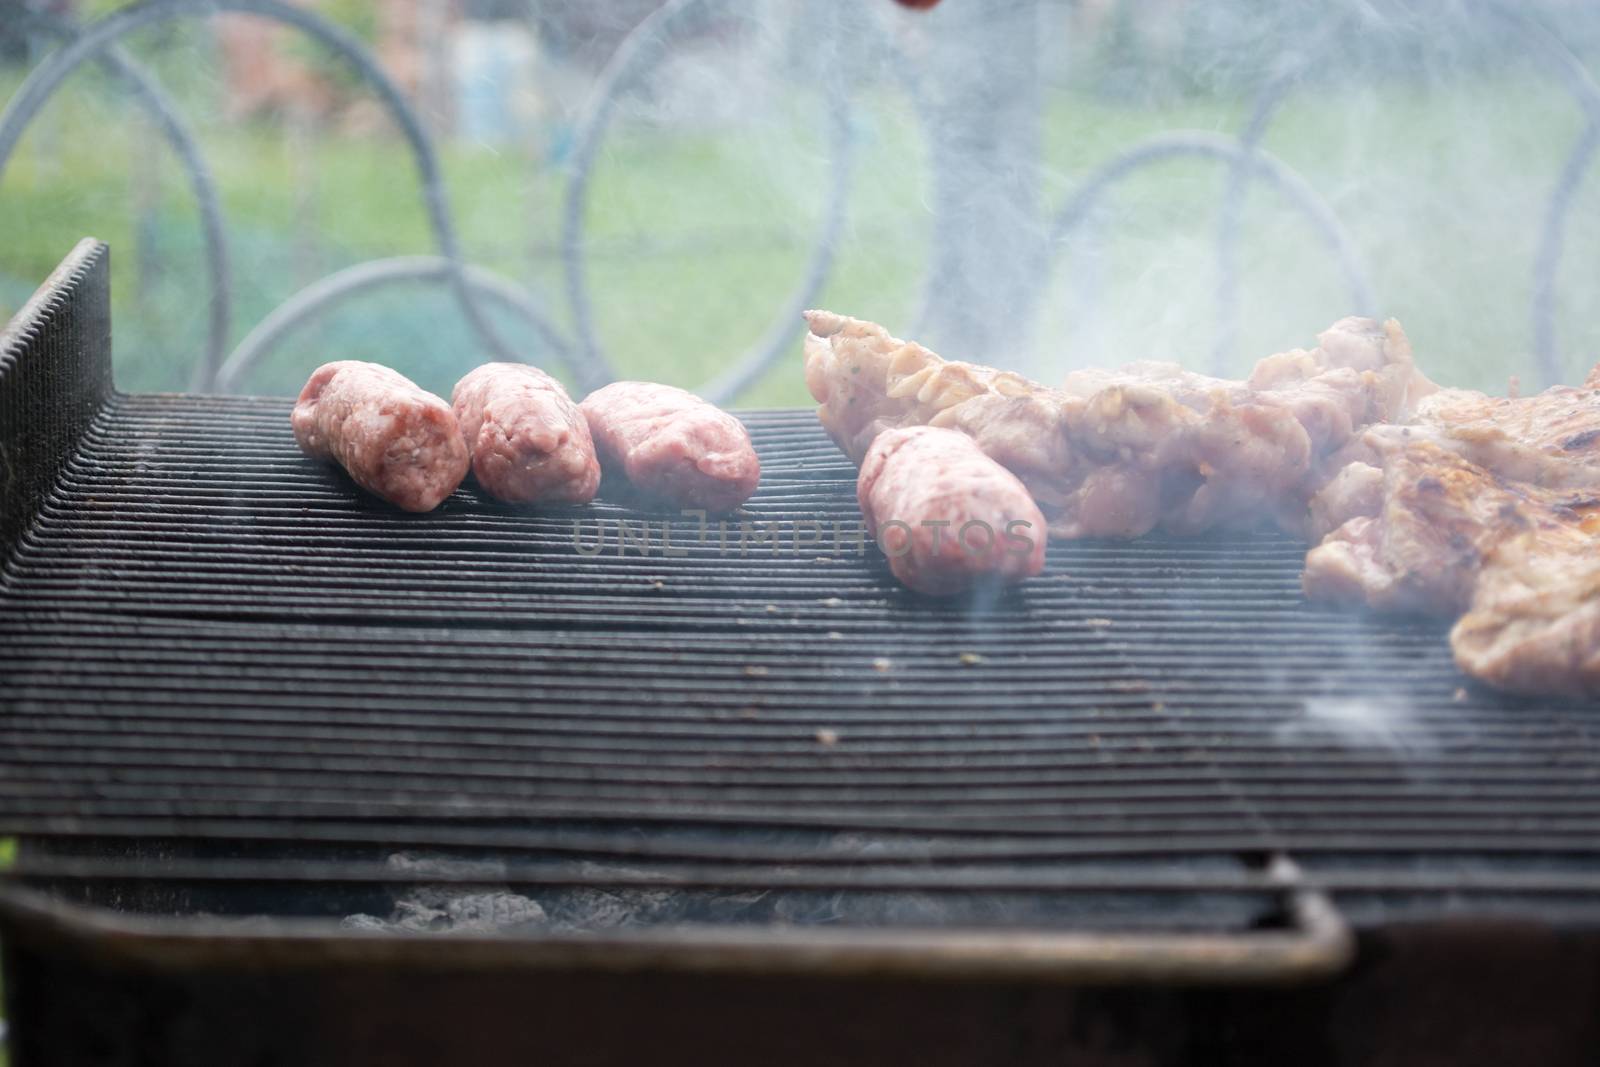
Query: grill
x=248, y=712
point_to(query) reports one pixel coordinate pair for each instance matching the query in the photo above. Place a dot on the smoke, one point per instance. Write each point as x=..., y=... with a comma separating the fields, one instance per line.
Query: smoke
x=1360, y=723
x=1435, y=134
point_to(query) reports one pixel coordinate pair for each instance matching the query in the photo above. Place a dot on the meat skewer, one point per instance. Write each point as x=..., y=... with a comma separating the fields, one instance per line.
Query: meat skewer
x=673, y=445
x=947, y=516
x=395, y=439
x=528, y=441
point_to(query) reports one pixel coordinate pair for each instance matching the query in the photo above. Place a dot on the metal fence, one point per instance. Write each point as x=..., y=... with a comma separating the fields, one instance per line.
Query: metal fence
x=477, y=289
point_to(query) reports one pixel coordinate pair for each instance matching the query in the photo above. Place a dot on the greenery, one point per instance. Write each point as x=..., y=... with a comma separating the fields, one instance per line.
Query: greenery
x=697, y=234
x=360, y=18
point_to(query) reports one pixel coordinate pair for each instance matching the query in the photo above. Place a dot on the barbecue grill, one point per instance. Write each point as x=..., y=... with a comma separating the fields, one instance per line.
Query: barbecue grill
x=290, y=771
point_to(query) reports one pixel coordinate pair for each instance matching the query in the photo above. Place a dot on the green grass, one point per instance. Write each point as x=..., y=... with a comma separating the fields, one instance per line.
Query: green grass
x=697, y=236
x=1441, y=189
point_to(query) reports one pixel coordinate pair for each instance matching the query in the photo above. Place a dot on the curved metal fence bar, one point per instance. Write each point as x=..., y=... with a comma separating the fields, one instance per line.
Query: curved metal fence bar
x=327, y=293
x=1265, y=107
x=94, y=38
x=148, y=94
x=1547, y=258
x=1202, y=144
x=913, y=81
x=640, y=51
x=765, y=353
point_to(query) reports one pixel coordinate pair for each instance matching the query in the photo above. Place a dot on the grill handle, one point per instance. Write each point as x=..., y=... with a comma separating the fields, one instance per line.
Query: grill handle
x=55, y=376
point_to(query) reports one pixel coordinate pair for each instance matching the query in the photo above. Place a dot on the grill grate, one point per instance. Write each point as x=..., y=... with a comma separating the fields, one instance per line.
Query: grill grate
x=202, y=625
x=224, y=657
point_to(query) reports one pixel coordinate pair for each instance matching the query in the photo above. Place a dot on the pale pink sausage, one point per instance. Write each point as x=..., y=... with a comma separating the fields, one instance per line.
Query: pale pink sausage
x=947, y=516
x=397, y=440
x=527, y=439
x=673, y=445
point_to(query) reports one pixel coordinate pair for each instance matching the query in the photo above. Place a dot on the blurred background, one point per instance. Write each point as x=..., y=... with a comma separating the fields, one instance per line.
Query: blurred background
x=981, y=176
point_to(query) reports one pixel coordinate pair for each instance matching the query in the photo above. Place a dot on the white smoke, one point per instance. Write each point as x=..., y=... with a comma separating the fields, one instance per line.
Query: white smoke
x=1360, y=723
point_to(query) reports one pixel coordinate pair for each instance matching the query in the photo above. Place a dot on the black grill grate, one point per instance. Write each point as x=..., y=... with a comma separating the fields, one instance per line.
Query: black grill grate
x=201, y=624
x=225, y=656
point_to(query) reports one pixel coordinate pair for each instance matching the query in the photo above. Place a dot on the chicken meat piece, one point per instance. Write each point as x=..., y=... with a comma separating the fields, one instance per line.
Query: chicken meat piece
x=1550, y=439
x=1439, y=518
x=395, y=439
x=867, y=381
x=1428, y=500
x=673, y=445
x=1118, y=453
x=1451, y=536
x=1483, y=505
x=1356, y=491
x=529, y=442
x=1534, y=625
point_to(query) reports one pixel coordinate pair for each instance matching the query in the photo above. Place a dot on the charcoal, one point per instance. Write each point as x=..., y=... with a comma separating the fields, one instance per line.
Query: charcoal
x=432, y=909
x=416, y=917
x=493, y=911
x=860, y=909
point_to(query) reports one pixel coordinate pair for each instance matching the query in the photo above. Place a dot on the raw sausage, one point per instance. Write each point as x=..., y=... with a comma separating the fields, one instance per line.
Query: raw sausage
x=527, y=439
x=674, y=445
x=397, y=440
x=947, y=516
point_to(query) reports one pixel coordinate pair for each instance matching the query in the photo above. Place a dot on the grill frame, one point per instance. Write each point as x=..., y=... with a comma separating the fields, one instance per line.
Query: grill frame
x=107, y=886
x=1426, y=994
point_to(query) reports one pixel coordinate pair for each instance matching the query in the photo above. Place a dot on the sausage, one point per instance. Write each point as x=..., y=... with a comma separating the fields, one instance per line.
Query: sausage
x=527, y=439
x=397, y=440
x=947, y=516
x=673, y=445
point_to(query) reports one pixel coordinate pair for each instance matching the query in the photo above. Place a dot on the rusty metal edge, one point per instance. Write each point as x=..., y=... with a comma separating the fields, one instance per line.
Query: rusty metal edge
x=47, y=297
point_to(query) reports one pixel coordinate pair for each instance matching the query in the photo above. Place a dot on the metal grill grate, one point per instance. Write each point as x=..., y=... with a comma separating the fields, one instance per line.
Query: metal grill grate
x=239, y=671
x=203, y=624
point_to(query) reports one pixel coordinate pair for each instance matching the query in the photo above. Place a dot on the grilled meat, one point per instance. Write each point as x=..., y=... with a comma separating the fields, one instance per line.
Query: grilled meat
x=1449, y=536
x=947, y=516
x=529, y=442
x=1534, y=626
x=1439, y=518
x=1356, y=490
x=1117, y=453
x=396, y=440
x=1430, y=500
x=1551, y=439
x=673, y=445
